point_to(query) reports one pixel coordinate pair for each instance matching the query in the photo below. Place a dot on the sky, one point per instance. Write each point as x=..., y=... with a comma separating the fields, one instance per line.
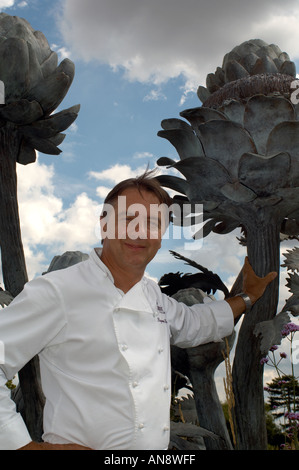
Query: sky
x=137, y=63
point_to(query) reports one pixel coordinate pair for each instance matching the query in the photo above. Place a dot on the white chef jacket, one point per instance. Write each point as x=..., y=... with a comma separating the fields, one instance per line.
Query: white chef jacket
x=104, y=356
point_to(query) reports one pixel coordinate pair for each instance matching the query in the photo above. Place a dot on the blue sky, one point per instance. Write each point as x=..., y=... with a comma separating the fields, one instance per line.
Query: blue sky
x=137, y=63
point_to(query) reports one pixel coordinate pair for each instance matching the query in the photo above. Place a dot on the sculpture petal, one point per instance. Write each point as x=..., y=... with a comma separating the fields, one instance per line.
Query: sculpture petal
x=50, y=126
x=226, y=142
x=238, y=192
x=50, y=91
x=21, y=112
x=269, y=111
x=185, y=142
x=35, y=72
x=205, y=177
x=198, y=116
x=42, y=145
x=264, y=174
x=173, y=182
x=234, y=111
x=175, y=123
x=26, y=153
x=270, y=331
x=49, y=65
x=285, y=138
x=165, y=161
x=14, y=68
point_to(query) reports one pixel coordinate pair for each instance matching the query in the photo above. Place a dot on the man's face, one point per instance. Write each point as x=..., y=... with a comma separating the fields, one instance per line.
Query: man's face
x=137, y=229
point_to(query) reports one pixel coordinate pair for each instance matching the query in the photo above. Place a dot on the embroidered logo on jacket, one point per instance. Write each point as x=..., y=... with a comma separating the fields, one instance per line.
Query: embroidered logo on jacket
x=161, y=312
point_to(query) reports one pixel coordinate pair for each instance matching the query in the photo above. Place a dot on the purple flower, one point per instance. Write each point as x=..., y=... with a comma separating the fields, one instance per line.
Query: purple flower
x=289, y=328
x=264, y=360
x=273, y=348
x=283, y=355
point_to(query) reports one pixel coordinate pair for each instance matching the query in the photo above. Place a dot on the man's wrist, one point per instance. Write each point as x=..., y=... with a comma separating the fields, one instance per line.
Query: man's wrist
x=247, y=301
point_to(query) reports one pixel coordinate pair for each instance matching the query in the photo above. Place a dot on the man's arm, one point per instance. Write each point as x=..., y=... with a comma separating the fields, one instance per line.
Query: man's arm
x=29, y=323
x=253, y=286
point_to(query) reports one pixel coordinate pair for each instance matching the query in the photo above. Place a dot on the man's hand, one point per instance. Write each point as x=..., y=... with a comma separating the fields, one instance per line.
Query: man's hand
x=46, y=446
x=253, y=286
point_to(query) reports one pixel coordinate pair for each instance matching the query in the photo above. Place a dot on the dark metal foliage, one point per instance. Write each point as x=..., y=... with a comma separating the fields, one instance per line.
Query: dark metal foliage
x=34, y=86
x=239, y=158
x=207, y=281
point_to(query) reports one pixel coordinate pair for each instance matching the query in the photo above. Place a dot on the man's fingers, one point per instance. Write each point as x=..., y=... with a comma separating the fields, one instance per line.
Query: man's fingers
x=271, y=276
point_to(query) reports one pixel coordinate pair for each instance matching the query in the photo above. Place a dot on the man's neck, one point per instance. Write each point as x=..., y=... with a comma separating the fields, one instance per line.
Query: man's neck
x=123, y=278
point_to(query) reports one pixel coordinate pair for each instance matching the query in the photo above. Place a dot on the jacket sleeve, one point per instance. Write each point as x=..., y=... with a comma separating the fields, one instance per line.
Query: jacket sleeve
x=34, y=319
x=198, y=324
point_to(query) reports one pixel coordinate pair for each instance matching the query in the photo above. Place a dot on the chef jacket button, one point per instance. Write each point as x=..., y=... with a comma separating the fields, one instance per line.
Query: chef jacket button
x=166, y=387
x=166, y=428
x=124, y=347
x=141, y=426
x=135, y=384
x=160, y=350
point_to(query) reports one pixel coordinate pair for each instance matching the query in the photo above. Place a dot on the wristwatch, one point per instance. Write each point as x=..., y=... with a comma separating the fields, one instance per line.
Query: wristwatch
x=247, y=301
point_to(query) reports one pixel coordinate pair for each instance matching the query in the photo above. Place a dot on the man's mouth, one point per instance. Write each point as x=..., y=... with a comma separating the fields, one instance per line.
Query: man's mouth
x=135, y=247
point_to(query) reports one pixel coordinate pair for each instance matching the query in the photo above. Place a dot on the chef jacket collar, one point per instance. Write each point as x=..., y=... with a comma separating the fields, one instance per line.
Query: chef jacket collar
x=135, y=299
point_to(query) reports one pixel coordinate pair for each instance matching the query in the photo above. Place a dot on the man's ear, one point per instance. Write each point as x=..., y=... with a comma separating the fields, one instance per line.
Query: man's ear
x=103, y=225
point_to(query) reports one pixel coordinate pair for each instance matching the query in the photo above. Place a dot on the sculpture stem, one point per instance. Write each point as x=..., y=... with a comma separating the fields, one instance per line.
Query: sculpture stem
x=263, y=244
x=12, y=253
x=15, y=273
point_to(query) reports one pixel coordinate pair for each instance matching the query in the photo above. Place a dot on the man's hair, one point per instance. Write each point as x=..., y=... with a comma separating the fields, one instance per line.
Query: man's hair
x=146, y=182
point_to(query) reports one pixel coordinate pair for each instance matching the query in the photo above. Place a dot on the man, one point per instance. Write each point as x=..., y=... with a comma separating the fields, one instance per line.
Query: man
x=103, y=333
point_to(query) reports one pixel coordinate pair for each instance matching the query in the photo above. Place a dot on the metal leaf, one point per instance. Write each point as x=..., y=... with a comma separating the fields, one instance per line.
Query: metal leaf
x=205, y=177
x=268, y=110
x=198, y=116
x=42, y=145
x=49, y=127
x=26, y=153
x=185, y=141
x=238, y=192
x=292, y=305
x=14, y=67
x=233, y=110
x=21, y=112
x=173, y=182
x=291, y=259
x=270, y=331
x=293, y=284
x=226, y=142
x=51, y=91
x=175, y=123
x=264, y=174
x=284, y=138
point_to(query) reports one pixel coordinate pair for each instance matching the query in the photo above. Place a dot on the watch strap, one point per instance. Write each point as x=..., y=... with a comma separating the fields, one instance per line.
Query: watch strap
x=247, y=301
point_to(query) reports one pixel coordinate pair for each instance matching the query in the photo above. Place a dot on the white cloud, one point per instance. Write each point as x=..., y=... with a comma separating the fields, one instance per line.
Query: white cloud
x=155, y=41
x=117, y=173
x=6, y=3
x=155, y=95
x=138, y=155
x=49, y=228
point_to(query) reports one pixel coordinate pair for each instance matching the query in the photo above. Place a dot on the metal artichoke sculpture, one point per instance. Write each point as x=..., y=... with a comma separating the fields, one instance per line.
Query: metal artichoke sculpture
x=34, y=86
x=239, y=156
